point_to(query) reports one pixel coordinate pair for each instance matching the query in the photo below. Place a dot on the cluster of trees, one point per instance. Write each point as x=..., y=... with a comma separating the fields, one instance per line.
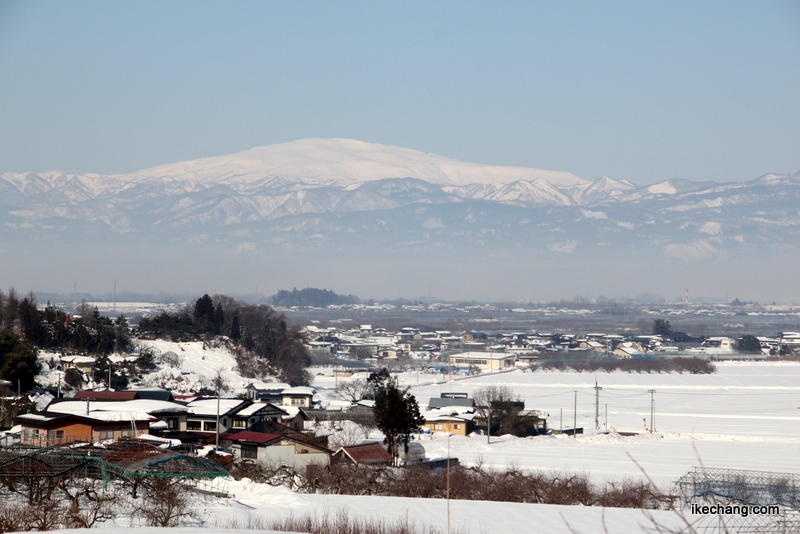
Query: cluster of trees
x=465, y=483
x=661, y=327
x=311, y=296
x=86, y=332
x=503, y=411
x=262, y=338
x=18, y=358
x=662, y=365
x=396, y=410
x=25, y=328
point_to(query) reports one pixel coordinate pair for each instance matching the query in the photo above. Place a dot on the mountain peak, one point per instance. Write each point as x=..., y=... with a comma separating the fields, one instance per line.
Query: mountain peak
x=346, y=162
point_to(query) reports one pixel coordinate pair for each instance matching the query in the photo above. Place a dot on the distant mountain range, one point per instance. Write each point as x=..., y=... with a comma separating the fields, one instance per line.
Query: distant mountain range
x=344, y=195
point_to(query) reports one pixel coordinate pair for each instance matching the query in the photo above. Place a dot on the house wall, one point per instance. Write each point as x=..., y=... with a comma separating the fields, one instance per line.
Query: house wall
x=486, y=364
x=296, y=400
x=459, y=428
x=122, y=429
x=287, y=453
x=37, y=435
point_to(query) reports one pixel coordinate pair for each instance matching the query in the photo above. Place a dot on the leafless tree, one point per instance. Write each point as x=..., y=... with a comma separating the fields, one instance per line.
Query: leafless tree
x=165, y=502
x=485, y=395
x=348, y=433
x=353, y=390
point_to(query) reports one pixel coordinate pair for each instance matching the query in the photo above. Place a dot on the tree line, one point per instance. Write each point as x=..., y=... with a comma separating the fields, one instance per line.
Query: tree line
x=260, y=337
x=311, y=296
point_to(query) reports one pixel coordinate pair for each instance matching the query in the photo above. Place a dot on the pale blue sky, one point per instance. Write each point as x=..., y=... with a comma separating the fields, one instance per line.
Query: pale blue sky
x=642, y=91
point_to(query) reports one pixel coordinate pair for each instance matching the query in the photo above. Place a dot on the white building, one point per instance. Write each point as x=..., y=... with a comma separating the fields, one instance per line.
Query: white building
x=485, y=361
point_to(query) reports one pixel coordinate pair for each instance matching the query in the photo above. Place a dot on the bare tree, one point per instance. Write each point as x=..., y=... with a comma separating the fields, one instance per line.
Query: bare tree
x=353, y=390
x=165, y=502
x=486, y=395
x=347, y=434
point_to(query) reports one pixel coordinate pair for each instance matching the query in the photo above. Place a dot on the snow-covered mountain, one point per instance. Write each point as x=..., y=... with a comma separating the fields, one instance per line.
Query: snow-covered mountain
x=347, y=197
x=343, y=162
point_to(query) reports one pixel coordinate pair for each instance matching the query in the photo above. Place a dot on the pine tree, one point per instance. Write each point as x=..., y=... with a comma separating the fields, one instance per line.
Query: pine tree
x=397, y=416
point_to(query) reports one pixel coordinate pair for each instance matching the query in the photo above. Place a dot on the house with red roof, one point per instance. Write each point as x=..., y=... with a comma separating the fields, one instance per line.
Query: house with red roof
x=277, y=450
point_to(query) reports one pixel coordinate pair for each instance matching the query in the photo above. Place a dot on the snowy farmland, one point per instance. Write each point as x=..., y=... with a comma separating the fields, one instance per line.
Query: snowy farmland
x=744, y=416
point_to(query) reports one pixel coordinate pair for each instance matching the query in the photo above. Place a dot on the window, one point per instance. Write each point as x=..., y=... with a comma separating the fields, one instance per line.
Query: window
x=30, y=434
x=249, y=451
x=126, y=433
x=438, y=426
x=209, y=426
x=298, y=402
x=105, y=434
x=457, y=426
x=193, y=425
x=172, y=423
x=55, y=435
x=239, y=423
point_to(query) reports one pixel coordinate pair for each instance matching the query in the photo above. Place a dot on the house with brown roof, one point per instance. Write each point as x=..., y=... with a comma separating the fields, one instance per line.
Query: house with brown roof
x=365, y=454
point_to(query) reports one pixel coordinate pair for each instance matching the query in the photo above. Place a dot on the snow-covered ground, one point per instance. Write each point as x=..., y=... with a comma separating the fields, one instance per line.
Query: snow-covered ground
x=255, y=503
x=744, y=416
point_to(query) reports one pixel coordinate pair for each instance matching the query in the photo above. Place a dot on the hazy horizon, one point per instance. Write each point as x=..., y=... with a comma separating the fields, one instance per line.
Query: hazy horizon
x=637, y=92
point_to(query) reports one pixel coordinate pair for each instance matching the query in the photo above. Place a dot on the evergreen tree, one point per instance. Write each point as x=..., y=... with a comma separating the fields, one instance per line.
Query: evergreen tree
x=749, y=343
x=236, y=330
x=661, y=327
x=18, y=363
x=397, y=416
x=204, y=314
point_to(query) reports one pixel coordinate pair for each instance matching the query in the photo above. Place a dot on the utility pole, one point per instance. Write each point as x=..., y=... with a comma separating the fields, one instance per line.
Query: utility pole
x=216, y=444
x=596, y=404
x=575, y=417
x=652, y=408
x=489, y=424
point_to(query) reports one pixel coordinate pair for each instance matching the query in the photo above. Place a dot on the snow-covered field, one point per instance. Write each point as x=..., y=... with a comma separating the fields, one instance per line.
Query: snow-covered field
x=744, y=416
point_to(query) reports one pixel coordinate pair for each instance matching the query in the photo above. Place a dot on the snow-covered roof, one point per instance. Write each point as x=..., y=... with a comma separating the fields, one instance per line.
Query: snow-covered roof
x=299, y=390
x=135, y=405
x=35, y=417
x=291, y=411
x=208, y=406
x=267, y=385
x=451, y=412
x=45, y=417
x=119, y=416
x=255, y=408
x=482, y=355
x=77, y=359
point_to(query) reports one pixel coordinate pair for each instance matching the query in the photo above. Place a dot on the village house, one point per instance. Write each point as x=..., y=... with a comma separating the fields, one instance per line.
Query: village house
x=81, y=363
x=42, y=429
x=452, y=421
x=232, y=414
x=277, y=450
x=302, y=396
x=364, y=454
